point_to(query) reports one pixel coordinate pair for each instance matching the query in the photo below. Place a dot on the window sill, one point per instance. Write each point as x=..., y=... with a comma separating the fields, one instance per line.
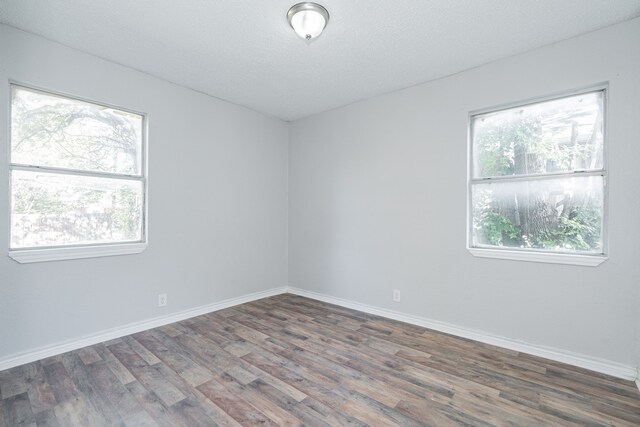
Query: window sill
x=26, y=256
x=584, y=260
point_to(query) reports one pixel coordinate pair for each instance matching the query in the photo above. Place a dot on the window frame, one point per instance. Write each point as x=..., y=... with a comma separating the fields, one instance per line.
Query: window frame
x=532, y=254
x=78, y=251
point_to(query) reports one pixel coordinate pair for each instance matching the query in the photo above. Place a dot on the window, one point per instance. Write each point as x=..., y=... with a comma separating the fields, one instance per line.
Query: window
x=78, y=184
x=537, y=181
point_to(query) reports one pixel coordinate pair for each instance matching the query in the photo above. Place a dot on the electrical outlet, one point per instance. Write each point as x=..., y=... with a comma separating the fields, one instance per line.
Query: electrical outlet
x=396, y=295
x=162, y=300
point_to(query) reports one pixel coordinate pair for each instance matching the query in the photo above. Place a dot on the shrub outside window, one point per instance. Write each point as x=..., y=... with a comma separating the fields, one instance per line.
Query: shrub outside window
x=537, y=180
x=77, y=173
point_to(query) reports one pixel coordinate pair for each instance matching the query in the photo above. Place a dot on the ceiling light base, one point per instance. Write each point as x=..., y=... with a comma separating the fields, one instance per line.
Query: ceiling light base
x=308, y=19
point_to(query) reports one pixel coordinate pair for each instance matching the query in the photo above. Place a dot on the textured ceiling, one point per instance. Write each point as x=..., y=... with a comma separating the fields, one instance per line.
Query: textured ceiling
x=245, y=52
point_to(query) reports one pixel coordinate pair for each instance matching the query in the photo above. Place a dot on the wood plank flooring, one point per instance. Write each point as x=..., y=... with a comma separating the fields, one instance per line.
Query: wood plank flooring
x=290, y=361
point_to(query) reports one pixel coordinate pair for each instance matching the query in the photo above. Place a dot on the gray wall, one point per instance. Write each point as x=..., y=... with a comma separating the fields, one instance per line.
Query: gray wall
x=217, y=205
x=377, y=202
x=377, y=194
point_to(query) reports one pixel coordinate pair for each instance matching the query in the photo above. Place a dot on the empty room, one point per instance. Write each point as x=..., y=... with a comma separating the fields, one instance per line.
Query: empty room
x=331, y=213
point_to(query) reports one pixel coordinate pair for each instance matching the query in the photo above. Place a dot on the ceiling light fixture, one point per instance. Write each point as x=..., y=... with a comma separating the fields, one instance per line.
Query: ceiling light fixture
x=308, y=19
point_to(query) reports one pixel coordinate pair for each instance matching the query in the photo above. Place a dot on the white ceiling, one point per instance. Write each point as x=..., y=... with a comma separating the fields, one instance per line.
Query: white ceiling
x=244, y=51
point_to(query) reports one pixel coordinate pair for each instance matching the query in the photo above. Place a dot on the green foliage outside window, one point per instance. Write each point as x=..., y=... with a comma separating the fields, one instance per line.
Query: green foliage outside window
x=51, y=135
x=557, y=213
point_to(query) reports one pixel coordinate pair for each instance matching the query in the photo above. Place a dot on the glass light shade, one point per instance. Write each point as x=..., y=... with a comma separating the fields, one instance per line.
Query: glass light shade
x=308, y=24
x=308, y=19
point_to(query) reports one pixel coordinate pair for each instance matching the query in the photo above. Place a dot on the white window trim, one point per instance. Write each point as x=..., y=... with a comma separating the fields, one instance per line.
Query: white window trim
x=545, y=257
x=26, y=256
x=589, y=260
x=62, y=253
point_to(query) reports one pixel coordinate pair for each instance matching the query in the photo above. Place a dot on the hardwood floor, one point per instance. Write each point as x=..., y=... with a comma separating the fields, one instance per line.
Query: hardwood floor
x=288, y=361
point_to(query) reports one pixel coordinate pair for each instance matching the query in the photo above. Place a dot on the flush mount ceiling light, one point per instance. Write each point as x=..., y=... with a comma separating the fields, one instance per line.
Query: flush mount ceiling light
x=308, y=19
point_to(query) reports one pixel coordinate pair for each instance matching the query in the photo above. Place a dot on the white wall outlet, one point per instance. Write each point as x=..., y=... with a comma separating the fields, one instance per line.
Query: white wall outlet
x=396, y=295
x=162, y=300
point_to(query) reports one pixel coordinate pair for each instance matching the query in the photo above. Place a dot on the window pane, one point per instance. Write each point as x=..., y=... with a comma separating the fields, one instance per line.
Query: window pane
x=561, y=135
x=49, y=130
x=54, y=210
x=558, y=214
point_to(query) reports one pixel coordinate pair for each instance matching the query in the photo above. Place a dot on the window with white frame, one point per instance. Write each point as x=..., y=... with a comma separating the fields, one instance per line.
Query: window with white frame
x=77, y=173
x=537, y=180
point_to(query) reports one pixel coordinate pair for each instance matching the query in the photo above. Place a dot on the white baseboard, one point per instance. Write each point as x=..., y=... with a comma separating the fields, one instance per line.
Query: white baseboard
x=599, y=365
x=132, y=328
